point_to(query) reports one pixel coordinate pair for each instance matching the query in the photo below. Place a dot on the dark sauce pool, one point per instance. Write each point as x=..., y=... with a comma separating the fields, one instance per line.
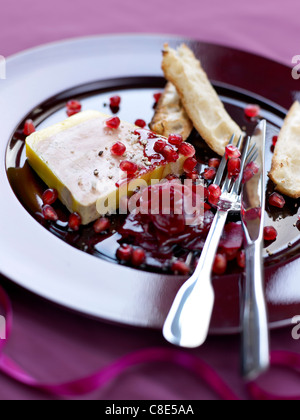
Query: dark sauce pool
x=137, y=102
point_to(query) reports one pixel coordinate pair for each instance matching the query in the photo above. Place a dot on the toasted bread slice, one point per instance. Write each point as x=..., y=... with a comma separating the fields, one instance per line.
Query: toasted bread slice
x=285, y=171
x=170, y=116
x=199, y=98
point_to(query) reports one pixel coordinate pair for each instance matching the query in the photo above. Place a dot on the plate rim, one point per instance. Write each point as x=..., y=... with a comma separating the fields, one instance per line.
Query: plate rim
x=139, y=35
x=36, y=49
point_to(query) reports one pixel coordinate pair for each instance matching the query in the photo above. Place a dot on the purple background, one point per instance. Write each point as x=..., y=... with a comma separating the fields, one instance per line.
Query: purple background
x=55, y=345
x=269, y=27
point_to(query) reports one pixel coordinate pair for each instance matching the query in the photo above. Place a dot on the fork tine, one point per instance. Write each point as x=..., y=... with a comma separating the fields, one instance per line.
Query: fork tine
x=238, y=181
x=239, y=143
x=253, y=154
x=254, y=157
x=220, y=172
x=226, y=185
x=252, y=148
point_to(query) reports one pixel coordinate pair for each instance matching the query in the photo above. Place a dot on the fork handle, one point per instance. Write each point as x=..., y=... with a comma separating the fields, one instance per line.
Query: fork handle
x=188, y=321
x=255, y=332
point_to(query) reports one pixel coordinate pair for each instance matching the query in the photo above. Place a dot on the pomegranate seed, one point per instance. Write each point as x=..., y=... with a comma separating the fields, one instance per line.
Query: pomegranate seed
x=232, y=151
x=213, y=201
x=253, y=167
x=230, y=254
x=152, y=135
x=140, y=123
x=214, y=193
x=276, y=200
x=118, y=149
x=207, y=206
x=187, y=150
x=75, y=221
x=170, y=154
x=138, y=257
x=180, y=267
x=114, y=109
x=114, y=101
x=157, y=97
x=247, y=175
x=113, y=122
x=274, y=140
x=29, y=128
x=209, y=174
x=71, y=112
x=214, y=163
x=101, y=225
x=50, y=196
x=74, y=105
x=234, y=167
x=189, y=165
x=175, y=139
x=241, y=259
x=220, y=264
x=129, y=167
x=252, y=111
x=252, y=214
x=124, y=253
x=156, y=156
x=231, y=241
x=171, y=177
x=270, y=233
x=49, y=213
x=159, y=146
x=192, y=175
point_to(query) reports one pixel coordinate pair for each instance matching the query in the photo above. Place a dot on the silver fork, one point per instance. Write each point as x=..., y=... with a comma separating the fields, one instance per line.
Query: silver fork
x=188, y=321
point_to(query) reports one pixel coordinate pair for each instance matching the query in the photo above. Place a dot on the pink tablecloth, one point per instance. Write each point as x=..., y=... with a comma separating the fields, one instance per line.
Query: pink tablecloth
x=55, y=345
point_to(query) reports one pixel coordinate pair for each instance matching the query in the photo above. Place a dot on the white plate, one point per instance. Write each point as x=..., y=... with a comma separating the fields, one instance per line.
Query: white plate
x=39, y=261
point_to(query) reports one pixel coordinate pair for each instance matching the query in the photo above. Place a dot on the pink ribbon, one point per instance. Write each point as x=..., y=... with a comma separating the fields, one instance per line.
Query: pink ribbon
x=97, y=380
x=283, y=359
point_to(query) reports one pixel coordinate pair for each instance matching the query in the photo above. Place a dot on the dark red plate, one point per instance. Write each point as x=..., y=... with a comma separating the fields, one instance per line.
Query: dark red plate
x=93, y=69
